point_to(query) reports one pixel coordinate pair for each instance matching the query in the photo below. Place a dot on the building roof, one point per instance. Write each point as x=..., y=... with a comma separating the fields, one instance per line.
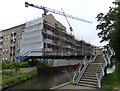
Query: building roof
x=51, y=20
x=12, y=27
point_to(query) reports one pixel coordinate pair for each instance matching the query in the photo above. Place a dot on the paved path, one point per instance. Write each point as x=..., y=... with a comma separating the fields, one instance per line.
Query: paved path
x=69, y=85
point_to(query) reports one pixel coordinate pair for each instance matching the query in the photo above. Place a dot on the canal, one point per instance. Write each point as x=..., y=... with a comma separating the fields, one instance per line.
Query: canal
x=45, y=81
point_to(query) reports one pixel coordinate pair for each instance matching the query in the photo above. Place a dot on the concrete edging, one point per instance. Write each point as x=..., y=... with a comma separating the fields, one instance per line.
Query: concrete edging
x=56, y=87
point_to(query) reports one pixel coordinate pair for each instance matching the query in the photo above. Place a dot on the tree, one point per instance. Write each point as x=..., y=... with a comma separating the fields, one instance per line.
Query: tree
x=109, y=26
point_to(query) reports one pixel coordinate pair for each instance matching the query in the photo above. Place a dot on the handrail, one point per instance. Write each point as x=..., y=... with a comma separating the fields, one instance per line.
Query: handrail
x=99, y=76
x=79, y=71
x=108, y=59
x=29, y=52
x=78, y=68
x=85, y=59
x=102, y=69
x=112, y=52
x=105, y=60
x=100, y=63
x=99, y=83
x=77, y=80
x=93, y=60
x=101, y=66
x=25, y=53
x=90, y=60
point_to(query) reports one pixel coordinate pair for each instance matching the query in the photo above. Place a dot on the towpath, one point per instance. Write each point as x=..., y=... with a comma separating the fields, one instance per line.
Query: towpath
x=69, y=85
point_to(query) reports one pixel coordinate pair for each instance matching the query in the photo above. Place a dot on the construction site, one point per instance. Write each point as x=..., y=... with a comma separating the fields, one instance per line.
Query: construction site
x=46, y=39
x=44, y=36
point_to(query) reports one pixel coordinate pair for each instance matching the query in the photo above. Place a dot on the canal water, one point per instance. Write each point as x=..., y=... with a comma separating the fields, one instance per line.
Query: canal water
x=45, y=81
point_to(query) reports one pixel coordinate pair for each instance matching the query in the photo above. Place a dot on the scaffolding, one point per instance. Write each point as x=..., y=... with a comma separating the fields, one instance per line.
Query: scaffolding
x=46, y=36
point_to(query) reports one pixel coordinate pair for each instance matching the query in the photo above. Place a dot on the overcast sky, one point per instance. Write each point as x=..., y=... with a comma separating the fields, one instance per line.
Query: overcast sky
x=14, y=12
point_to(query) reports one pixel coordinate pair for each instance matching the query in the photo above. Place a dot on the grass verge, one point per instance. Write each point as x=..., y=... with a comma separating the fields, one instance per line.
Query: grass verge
x=112, y=80
x=12, y=77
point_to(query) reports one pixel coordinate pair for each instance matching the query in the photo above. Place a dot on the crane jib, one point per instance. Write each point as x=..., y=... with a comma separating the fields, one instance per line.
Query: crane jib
x=46, y=10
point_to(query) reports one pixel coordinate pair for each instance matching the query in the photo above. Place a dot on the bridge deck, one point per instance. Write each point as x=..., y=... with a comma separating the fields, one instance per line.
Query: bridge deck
x=59, y=57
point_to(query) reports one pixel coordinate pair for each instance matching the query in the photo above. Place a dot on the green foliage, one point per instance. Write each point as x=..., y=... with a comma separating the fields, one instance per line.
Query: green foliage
x=109, y=25
x=10, y=73
x=33, y=62
x=38, y=63
x=16, y=65
x=111, y=81
x=42, y=64
x=6, y=65
x=13, y=77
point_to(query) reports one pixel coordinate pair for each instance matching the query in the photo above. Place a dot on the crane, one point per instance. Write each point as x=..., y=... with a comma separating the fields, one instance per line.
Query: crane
x=67, y=22
x=46, y=10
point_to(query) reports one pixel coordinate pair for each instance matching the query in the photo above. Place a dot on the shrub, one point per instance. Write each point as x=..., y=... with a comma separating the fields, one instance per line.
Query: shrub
x=10, y=73
x=33, y=62
x=24, y=64
x=42, y=64
x=16, y=65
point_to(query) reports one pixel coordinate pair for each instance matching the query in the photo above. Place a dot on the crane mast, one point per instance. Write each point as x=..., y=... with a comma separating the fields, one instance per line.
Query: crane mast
x=46, y=10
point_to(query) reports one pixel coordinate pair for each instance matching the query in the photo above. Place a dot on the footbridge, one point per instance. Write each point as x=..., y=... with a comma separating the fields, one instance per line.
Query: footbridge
x=91, y=73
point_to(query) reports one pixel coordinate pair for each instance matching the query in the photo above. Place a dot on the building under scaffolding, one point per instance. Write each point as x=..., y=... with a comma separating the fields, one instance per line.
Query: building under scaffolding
x=43, y=36
x=47, y=36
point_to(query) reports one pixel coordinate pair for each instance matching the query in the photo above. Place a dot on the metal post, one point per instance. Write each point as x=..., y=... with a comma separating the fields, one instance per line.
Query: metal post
x=13, y=39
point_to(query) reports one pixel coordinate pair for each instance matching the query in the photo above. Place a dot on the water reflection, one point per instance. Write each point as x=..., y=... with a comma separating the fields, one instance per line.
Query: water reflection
x=44, y=81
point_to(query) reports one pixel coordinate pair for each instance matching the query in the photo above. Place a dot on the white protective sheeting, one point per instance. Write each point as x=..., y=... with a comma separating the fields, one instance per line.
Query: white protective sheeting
x=32, y=38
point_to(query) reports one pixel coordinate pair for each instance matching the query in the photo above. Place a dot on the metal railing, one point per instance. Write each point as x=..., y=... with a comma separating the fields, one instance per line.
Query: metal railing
x=90, y=60
x=79, y=71
x=26, y=53
x=102, y=66
x=93, y=60
x=30, y=51
x=109, y=55
x=99, y=83
x=105, y=60
x=76, y=73
x=99, y=75
x=84, y=62
x=77, y=77
x=108, y=58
